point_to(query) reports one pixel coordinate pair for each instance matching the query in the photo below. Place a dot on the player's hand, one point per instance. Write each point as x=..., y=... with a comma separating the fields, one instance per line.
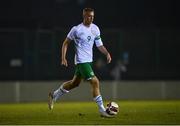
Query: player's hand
x=64, y=62
x=108, y=56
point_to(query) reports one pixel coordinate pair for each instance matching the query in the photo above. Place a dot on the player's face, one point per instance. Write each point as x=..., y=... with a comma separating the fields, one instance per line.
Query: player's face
x=88, y=17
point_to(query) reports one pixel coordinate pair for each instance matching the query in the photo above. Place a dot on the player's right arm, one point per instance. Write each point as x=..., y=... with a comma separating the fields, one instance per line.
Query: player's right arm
x=66, y=42
x=64, y=51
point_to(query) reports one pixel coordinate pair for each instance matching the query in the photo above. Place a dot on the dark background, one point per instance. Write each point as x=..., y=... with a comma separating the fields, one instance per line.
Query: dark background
x=143, y=34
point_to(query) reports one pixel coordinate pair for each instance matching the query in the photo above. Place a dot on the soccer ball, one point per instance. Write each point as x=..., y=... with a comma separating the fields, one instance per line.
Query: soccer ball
x=112, y=108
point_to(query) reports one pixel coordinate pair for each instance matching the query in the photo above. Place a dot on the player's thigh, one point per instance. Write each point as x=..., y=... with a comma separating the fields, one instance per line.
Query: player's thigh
x=86, y=71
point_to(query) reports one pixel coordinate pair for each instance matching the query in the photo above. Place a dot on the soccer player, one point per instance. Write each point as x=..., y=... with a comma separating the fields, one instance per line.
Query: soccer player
x=84, y=36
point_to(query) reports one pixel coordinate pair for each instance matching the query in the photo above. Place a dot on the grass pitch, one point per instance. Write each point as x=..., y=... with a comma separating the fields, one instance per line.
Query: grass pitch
x=86, y=113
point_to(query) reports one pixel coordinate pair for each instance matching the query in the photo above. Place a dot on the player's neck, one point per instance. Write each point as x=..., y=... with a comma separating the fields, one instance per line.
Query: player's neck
x=85, y=24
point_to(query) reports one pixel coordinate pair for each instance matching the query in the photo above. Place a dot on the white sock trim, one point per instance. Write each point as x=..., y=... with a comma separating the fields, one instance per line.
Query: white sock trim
x=95, y=98
x=99, y=101
x=63, y=90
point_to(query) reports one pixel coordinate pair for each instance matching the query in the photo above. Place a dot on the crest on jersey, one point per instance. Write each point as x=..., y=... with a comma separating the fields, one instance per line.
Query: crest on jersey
x=93, y=31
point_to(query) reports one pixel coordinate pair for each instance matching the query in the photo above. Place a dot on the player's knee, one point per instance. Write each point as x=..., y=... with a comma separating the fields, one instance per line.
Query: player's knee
x=95, y=81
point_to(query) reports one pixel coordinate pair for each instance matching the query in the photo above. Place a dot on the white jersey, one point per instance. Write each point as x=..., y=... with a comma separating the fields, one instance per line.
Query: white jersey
x=84, y=38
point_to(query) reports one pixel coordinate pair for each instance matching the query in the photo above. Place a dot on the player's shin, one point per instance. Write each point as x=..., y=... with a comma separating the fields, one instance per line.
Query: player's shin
x=99, y=101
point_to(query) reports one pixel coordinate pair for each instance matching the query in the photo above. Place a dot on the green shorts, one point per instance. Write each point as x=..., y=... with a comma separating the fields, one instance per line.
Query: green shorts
x=84, y=70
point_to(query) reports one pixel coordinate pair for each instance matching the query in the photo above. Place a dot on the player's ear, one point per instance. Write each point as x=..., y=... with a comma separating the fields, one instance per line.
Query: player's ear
x=83, y=15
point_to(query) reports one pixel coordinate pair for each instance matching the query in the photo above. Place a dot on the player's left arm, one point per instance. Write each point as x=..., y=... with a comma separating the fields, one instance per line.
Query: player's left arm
x=103, y=50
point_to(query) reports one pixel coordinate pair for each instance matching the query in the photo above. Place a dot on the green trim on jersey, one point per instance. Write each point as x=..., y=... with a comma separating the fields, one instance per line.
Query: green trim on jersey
x=84, y=70
x=97, y=38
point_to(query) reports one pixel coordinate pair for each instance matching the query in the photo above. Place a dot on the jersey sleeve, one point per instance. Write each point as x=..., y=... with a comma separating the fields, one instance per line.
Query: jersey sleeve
x=71, y=34
x=98, y=40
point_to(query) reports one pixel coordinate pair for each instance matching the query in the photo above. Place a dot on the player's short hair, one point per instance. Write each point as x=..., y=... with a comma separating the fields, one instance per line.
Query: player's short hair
x=88, y=10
